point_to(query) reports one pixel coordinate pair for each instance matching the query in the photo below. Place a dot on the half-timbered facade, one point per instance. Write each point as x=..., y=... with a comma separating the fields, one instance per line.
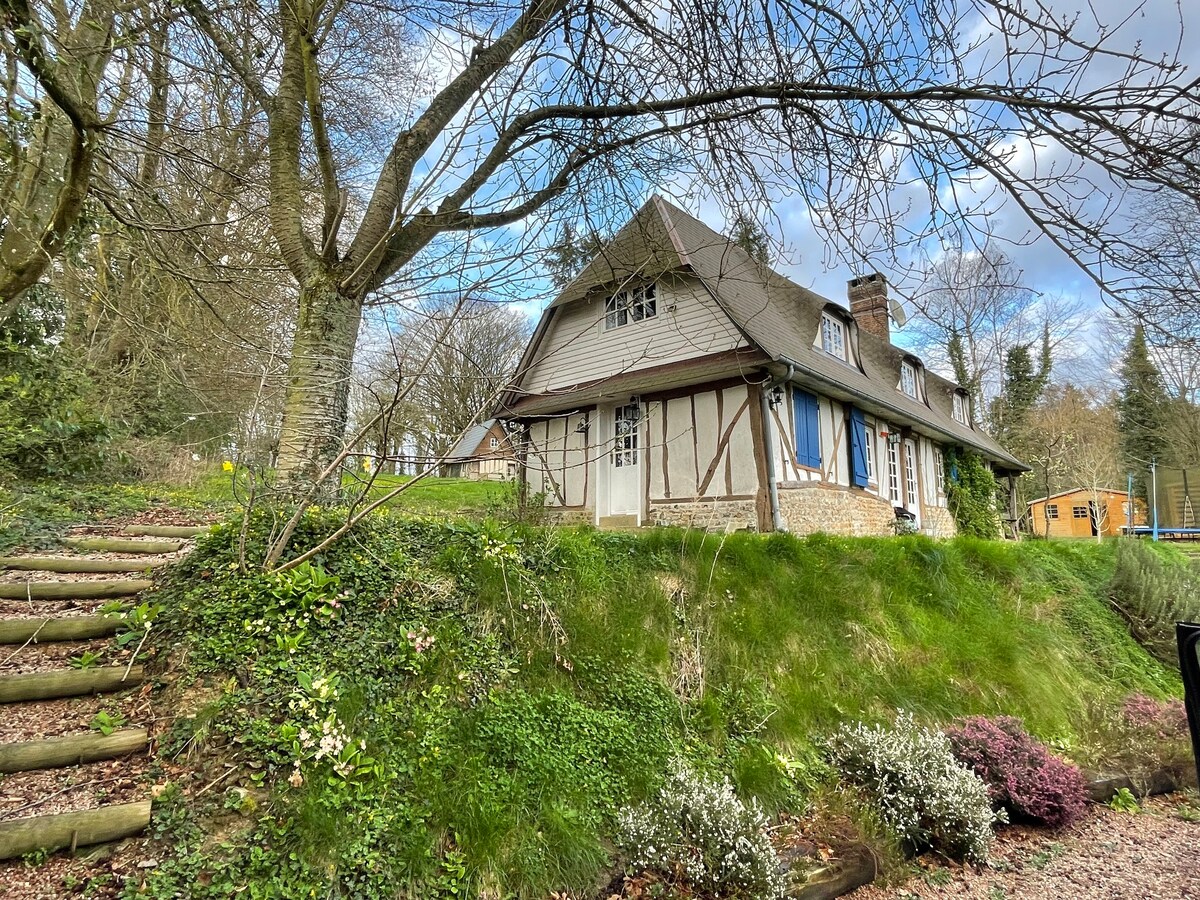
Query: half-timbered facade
x=677, y=381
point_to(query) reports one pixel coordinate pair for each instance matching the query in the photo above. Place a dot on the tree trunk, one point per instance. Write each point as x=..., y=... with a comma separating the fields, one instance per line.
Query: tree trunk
x=315, y=406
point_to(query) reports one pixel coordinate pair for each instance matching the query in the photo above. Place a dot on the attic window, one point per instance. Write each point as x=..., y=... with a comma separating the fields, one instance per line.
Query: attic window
x=633, y=305
x=833, y=339
x=961, y=408
x=908, y=379
x=494, y=443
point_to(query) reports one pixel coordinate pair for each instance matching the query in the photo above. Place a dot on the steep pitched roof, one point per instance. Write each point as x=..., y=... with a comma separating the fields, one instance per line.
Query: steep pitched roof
x=470, y=441
x=776, y=315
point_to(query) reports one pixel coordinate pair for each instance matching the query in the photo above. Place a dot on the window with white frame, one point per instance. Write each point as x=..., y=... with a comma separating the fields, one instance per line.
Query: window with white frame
x=1079, y=512
x=629, y=306
x=939, y=464
x=494, y=443
x=869, y=450
x=961, y=408
x=625, y=443
x=893, y=471
x=1052, y=511
x=908, y=379
x=910, y=474
x=833, y=336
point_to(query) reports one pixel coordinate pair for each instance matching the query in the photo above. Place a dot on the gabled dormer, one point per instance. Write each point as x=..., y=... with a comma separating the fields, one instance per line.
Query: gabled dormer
x=837, y=335
x=912, y=379
x=961, y=407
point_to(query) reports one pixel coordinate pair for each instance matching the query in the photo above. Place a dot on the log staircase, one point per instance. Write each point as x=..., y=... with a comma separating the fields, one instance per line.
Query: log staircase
x=73, y=755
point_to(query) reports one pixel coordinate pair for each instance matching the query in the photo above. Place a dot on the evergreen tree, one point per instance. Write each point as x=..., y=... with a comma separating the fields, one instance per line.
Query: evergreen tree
x=958, y=363
x=1023, y=387
x=750, y=236
x=1141, y=411
x=571, y=251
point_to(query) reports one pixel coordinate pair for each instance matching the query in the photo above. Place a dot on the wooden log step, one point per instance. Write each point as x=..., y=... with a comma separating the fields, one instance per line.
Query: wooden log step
x=167, y=531
x=72, y=590
x=120, y=545
x=68, y=628
x=76, y=564
x=72, y=750
x=72, y=829
x=67, y=683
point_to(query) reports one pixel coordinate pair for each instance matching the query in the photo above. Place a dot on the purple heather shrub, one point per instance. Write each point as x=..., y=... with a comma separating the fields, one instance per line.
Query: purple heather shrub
x=1166, y=719
x=1021, y=774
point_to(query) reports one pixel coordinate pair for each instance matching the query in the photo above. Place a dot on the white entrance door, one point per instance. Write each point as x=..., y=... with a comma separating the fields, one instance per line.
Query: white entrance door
x=625, y=462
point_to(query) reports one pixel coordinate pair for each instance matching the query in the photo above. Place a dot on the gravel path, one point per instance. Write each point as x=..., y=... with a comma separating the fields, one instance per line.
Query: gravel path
x=1108, y=856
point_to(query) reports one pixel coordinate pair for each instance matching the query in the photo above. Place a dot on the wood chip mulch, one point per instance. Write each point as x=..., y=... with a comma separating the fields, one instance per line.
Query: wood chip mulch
x=48, y=791
x=1108, y=855
x=55, y=656
x=45, y=609
x=52, y=718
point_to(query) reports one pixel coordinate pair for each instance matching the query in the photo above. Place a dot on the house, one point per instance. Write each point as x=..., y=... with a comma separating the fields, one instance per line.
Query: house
x=483, y=452
x=678, y=381
x=1083, y=512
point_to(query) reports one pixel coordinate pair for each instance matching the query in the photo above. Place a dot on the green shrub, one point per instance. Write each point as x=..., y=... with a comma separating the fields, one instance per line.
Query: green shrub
x=1153, y=593
x=918, y=787
x=49, y=426
x=696, y=829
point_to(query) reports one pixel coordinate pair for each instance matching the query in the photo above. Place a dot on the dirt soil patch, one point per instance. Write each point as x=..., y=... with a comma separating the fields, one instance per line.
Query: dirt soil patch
x=1110, y=855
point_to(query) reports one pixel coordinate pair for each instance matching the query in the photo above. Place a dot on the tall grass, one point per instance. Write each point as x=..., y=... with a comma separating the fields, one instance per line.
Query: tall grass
x=813, y=631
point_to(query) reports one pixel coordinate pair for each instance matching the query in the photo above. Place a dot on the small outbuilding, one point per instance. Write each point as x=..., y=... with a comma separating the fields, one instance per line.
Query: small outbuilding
x=1084, y=512
x=483, y=453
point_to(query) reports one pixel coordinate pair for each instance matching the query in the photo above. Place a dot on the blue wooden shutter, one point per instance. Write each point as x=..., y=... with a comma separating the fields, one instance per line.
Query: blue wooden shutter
x=808, y=429
x=858, y=447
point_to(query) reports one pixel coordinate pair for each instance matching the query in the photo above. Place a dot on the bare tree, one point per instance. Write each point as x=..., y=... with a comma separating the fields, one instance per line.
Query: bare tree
x=1077, y=431
x=54, y=113
x=973, y=308
x=458, y=355
x=530, y=106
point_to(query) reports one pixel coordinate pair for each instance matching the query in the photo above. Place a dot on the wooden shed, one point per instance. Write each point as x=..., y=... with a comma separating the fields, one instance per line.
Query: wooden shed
x=1082, y=513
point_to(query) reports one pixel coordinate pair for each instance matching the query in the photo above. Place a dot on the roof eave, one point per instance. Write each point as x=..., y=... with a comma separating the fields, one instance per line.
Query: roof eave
x=1008, y=462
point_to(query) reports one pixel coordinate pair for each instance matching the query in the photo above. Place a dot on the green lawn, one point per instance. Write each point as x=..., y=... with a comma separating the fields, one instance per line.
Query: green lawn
x=442, y=495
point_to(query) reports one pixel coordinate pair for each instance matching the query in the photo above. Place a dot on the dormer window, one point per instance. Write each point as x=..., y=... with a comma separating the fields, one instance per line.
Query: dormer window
x=908, y=379
x=629, y=306
x=833, y=336
x=962, y=409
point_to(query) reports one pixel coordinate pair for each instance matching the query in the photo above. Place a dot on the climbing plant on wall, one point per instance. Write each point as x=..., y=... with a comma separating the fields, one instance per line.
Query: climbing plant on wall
x=971, y=494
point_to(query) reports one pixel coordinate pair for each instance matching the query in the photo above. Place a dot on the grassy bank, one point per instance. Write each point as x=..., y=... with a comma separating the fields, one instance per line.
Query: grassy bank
x=462, y=708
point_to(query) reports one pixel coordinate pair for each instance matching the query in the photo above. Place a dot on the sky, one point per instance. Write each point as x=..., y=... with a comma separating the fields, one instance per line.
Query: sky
x=803, y=254
x=1155, y=26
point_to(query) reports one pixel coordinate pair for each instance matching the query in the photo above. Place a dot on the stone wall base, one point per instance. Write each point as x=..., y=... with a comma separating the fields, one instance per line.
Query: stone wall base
x=813, y=508
x=573, y=516
x=715, y=515
x=938, y=522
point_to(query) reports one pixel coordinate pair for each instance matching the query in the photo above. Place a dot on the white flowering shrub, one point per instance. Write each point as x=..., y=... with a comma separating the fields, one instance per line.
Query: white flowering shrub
x=922, y=792
x=696, y=829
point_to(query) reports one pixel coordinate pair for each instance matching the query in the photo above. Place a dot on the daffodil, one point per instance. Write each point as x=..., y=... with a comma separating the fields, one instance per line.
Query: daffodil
x=227, y=466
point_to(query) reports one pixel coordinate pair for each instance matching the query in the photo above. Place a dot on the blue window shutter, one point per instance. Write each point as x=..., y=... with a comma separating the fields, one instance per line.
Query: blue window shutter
x=858, y=452
x=808, y=429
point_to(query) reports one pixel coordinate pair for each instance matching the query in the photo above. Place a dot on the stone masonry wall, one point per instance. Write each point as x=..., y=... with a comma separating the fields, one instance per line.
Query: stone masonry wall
x=937, y=521
x=811, y=508
x=716, y=515
x=572, y=516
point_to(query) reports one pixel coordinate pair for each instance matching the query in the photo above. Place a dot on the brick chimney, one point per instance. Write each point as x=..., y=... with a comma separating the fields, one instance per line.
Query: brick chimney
x=868, y=296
